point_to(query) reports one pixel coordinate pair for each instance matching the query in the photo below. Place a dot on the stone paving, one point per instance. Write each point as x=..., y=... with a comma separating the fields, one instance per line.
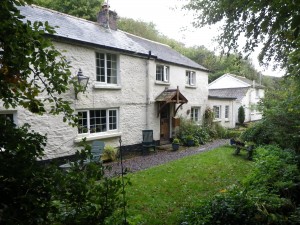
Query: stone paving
x=159, y=157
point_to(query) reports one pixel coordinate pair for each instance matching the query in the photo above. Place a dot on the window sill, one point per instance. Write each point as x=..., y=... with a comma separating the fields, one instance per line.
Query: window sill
x=191, y=86
x=162, y=83
x=92, y=137
x=217, y=120
x=107, y=86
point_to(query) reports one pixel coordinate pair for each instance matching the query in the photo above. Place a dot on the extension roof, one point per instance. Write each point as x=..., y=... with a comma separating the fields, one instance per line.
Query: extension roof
x=76, y=30
x=228, y=93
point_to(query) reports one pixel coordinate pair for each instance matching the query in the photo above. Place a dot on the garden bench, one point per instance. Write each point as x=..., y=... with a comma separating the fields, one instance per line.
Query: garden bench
x=242, y=146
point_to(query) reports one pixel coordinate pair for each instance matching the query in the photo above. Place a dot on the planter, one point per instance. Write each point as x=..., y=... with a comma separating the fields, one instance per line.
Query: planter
x=190, y=143
x=175, y=147
x=232, y=141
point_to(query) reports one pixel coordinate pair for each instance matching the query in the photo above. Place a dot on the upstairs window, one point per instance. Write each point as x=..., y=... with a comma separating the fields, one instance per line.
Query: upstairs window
x=106, y=68
x=195, y=114
x=190, y=78
x=217, y=111
x=97, y=121
x=162, y=73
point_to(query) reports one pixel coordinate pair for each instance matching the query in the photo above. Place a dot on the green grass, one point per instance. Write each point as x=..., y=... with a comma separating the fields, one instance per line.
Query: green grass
x=157, y=195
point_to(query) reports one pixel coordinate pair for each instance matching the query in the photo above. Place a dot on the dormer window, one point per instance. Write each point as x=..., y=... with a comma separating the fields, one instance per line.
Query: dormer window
x=162, y=73
x=190, y=78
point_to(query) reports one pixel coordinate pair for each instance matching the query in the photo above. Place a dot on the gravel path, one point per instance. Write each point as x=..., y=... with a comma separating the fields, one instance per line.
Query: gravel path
x=160, y=157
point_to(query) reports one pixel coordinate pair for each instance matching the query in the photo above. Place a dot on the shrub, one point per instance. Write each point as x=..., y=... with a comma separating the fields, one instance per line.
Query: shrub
x=188, y=128
x=85, y=196
x=275, y=170
x=34, y=193
x=241, y=115
x=232, y=206
x=208, y=117
x=233, y=134
x=110, y=153
x=176, y=141
x=261, y=133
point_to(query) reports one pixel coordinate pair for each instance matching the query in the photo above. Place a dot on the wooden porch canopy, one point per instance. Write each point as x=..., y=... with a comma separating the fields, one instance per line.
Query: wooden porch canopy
x=170, y=96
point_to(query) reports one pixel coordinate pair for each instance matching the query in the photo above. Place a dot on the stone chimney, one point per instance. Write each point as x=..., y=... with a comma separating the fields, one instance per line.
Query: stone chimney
x=107, y=18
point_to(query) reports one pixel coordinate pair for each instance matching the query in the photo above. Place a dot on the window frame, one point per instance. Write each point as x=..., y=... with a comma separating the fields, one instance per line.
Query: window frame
x=217, y=116
x=227, y=111
x=97, y=121
x=105, y=68
x=194, y=111
x=165, y=75
x=11, y=115
x=190, y=76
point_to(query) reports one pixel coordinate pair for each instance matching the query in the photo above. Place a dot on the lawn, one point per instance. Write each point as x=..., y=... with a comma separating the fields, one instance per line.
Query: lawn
x=157, y=195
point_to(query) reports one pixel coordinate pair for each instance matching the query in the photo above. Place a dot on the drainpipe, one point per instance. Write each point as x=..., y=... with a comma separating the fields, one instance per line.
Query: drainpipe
x=147, y=89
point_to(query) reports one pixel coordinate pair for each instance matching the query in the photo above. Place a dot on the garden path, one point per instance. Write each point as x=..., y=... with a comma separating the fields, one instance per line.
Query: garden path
x=160, y=157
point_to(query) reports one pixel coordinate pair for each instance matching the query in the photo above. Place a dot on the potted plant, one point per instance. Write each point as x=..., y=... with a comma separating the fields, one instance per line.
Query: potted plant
x=175, y=144
x=109, y=154
x=190, y=140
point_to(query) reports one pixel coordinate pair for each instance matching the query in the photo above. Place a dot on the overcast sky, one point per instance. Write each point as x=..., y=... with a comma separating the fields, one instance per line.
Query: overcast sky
x=173, y=22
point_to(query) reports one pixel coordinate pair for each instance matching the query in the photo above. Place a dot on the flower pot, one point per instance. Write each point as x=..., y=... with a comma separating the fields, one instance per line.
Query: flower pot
x=190, y=143
x=175, y=147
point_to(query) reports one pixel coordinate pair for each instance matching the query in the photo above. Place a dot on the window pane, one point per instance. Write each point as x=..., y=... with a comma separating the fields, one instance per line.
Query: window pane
x=100, y=67
x=195, y=114
x=226, y=111
x=82, y=122
x=96, y=121
x=217, y=112
x=112, y=119
x=159, y=72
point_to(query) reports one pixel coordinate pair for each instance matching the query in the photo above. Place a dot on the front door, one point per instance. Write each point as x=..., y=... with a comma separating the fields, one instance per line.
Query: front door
x=165, y=125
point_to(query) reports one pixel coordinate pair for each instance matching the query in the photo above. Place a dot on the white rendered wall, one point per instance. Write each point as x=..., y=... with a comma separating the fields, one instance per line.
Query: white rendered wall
x=136, y=112
x=227, y=81
x=230, y=122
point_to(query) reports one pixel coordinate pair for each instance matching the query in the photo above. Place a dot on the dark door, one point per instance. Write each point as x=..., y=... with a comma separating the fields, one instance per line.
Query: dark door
x=165, y=125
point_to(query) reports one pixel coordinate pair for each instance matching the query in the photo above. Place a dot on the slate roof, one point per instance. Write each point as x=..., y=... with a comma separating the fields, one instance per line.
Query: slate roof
x=235, y=93
x=165, y=52
x=91, y=33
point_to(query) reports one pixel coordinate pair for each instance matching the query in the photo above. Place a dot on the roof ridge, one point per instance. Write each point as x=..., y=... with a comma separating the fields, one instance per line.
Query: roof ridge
x=146, y=39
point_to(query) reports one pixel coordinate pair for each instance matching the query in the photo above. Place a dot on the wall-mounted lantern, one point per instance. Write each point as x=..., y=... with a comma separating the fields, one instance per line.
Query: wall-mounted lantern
x=82, y=82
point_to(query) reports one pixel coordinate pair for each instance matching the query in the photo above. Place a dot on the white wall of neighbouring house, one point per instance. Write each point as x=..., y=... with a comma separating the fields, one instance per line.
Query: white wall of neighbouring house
x=222, y=103
x=227, y=81
x=250, y=104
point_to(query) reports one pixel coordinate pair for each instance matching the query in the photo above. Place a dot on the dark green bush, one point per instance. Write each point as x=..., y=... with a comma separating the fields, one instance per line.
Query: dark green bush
x=35, y=193
x=241, y=115
x=237, y=206
x=261, y=133
x=275, y=170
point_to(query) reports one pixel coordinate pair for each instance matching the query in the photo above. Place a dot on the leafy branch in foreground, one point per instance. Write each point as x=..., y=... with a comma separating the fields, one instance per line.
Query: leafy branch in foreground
x=274, y=25
x=32, y=72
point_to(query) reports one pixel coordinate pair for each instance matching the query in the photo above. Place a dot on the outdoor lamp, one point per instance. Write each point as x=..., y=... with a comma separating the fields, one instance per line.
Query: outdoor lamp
x=82, y=81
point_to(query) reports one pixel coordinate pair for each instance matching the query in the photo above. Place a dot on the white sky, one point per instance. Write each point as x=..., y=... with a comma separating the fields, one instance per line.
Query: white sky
x=171, y=21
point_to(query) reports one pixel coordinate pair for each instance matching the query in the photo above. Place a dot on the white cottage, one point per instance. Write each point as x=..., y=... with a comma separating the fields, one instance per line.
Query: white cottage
x=134, y=84
x=246, y=93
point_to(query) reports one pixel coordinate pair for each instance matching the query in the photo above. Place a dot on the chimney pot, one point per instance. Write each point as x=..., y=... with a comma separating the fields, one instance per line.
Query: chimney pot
x=107, y=18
